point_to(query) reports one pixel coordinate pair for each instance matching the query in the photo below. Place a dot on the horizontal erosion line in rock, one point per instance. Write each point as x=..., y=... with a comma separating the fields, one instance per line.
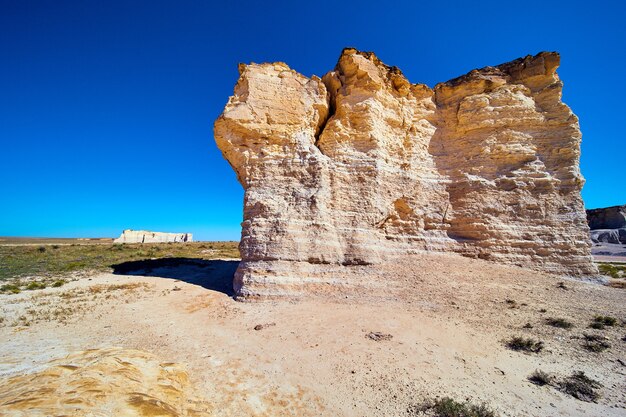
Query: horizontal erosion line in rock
x=362, y=161
x=514, y=125
x=496, y=226
x=319, y=280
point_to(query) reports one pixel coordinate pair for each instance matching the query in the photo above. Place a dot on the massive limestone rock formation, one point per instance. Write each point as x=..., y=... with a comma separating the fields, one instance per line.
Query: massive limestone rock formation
x=608, y=224
x=144, y=236
x=362, y=167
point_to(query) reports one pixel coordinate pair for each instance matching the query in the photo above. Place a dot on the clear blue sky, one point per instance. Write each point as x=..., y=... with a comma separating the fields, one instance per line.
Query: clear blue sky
x=106, y=107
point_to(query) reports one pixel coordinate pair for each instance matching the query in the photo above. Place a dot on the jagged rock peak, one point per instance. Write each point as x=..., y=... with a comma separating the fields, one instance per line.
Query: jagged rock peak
x=371, y=56
x=542, y=64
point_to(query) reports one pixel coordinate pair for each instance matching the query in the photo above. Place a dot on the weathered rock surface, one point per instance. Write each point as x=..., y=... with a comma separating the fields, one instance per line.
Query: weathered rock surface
x=102, y=382
x=608, y=224
x=615, y=236
x=362, y=167
x=144, y=236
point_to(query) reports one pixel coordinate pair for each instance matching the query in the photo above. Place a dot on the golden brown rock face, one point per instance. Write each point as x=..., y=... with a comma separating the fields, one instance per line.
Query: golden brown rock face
x=361, y=167
x=102, y=382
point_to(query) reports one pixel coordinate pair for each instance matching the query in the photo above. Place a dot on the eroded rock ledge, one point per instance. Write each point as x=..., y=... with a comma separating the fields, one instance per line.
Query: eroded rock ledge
x=362, y=167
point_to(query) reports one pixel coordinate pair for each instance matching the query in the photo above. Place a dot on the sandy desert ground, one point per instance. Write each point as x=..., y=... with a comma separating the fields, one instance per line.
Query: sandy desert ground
x=609, y=252
x=173, y=342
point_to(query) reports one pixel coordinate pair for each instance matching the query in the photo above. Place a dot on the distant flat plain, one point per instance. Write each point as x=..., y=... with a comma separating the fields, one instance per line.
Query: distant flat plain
x=47, y=260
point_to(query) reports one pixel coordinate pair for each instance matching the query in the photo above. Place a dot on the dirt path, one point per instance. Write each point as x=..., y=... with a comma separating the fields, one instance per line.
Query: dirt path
x=314, y=357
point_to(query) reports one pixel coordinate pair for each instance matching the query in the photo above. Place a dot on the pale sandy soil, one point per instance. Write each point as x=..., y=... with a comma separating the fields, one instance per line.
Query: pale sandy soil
x=610, y=259
x=609, y=252
x=448, y=317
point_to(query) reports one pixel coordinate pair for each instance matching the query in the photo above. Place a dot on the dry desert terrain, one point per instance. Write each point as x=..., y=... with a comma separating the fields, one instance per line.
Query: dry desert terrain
x=170, y=340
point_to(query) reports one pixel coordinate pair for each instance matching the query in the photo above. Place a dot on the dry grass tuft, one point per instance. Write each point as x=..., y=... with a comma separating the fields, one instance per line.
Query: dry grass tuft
x=613, y=270
x=447, y=407
x=595, y=343
x=559, y=323
x=540, y=378
x=600, y=322
x=581, y=387
x=519, y=343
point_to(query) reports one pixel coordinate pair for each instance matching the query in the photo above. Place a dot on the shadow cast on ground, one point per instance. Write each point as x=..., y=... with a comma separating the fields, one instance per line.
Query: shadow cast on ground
x=212, y=274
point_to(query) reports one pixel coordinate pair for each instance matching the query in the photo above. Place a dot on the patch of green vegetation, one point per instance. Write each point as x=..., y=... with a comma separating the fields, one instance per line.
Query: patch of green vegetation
x=22, y=260
x=540, y=378
x=15, y=286
x=581, y=387
x=10, y=288
x=447, y=407
x=35, y=285
x=526, y=345
x=600, y=322
x=558, y=322
x=613, y=270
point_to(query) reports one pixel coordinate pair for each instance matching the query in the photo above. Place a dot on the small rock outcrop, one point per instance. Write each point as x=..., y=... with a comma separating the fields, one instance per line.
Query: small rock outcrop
x=144, y=236
x=361, y=167
x=608, y=225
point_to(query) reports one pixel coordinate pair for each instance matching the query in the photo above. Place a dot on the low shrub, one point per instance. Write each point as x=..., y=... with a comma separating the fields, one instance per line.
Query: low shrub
x=34, y=285
x=600, y=322
x=447, y=407
x=613, y=270
x=580, y=386
x=10, y=288
x=595, y=343
x=558, y=322
x=540, y=378
x=526, y=345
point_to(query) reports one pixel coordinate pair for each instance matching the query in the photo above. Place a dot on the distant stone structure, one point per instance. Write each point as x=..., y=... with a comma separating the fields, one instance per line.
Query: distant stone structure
x=608, y=224
x=144, y=236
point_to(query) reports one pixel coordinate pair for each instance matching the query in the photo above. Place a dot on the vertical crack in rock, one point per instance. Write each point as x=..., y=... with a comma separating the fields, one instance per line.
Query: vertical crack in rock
x=322, y=125
x=362, y=167
x=333, y=84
